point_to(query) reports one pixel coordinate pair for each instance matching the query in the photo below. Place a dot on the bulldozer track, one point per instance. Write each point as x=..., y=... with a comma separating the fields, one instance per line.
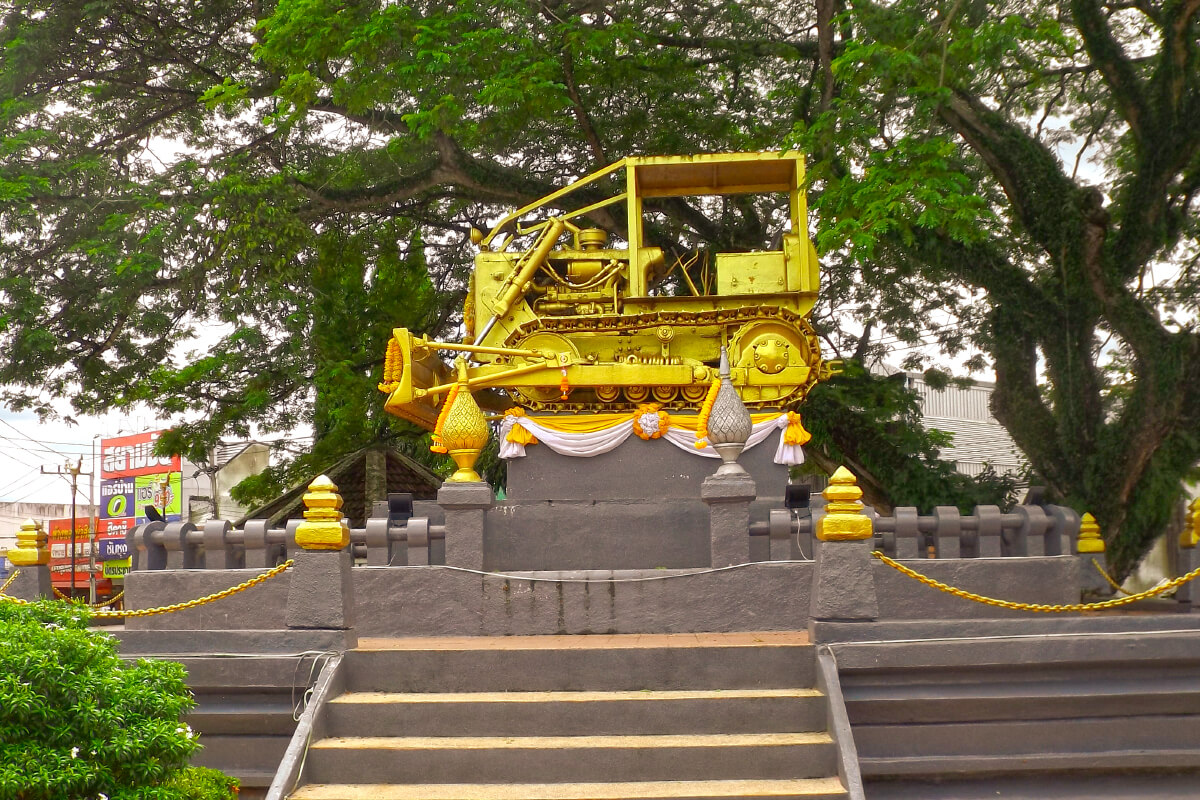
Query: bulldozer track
x=649, y=321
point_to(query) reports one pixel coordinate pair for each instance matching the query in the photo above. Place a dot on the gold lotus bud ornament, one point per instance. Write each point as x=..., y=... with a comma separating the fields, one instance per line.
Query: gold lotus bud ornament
x=324, y=527
x=31, y=550
x=843, y=520
x=462, y=430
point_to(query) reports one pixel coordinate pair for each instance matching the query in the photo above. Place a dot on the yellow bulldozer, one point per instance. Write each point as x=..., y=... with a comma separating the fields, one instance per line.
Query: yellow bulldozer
x=569, y=323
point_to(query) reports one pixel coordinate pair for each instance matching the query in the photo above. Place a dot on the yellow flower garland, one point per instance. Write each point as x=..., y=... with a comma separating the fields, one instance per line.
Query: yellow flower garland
x=705, y=410
x=664, y=421
x=437, y=446
x=393, y=367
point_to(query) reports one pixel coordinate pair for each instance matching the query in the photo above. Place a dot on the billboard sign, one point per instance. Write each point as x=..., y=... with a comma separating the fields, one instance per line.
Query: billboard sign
x=128, y=456
x=58, y=535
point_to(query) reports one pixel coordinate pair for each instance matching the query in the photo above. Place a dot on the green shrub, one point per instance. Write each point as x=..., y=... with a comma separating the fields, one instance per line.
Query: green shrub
x=76, y=723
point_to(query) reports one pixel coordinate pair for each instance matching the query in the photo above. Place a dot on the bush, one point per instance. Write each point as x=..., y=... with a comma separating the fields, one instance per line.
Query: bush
x=76, y=723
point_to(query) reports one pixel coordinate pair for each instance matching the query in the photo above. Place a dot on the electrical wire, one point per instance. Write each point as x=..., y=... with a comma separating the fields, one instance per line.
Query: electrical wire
x=24, y=435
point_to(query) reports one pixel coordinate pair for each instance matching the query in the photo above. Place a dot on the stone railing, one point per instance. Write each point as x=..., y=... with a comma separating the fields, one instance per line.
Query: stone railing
x=218, y=545
x=1028, y=530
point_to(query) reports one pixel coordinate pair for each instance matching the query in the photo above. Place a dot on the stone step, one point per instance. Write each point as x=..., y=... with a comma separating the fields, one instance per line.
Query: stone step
x=1026, y=738
x=521, y=759
x=576, y=713
x=805, y=789
x=892, y=703
x=582, y=663
x=1073, y=786
x=1078, y=764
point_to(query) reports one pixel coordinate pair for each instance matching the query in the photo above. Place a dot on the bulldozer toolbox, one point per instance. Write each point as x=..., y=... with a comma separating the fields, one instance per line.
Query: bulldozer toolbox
x=568, y=323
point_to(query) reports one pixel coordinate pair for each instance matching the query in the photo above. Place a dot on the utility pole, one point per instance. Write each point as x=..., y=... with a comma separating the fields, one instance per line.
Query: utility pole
x=75, y=470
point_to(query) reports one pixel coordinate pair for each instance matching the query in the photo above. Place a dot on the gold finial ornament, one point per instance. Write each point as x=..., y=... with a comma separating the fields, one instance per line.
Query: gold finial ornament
x=843, y=520
x=464, y=430
x=1190, y=535
x=31, y=549
x=324, y=527
x=1090, y=540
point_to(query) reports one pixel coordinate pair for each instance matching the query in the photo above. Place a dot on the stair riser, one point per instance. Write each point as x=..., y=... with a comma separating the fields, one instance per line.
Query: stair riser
x=1010, y=738
x=597, y=669
x=732, y=715
x=689, y=796
x=905, y=710
x=337, y=765
x=253, y=759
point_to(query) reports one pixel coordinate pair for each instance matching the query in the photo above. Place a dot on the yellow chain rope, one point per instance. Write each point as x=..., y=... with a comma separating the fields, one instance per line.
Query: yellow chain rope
x=107, y=602
x=199, y=601
x=8, y=582
x=1038, y=607
x=1108, y=577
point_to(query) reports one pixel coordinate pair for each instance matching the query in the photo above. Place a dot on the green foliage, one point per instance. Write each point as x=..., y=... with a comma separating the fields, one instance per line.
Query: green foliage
x=873, y=424
x=76, y=722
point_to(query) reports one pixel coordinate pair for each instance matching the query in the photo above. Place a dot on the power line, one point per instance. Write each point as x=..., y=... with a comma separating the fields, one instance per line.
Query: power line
x=24, y=435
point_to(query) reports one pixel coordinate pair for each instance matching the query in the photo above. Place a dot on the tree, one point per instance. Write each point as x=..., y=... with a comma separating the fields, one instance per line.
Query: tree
x=303, y=127
x=955, y=149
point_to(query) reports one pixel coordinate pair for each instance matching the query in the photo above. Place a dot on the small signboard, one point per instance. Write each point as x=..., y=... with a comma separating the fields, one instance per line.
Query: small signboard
x=115, y=570
x=112, y=550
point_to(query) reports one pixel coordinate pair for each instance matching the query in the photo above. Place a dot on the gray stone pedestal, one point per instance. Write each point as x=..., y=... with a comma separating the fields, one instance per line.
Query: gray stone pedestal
x=321, y=592
x=843, y=587
x=728, y=498
x=1091, y=582
x=466, y=506
x=31, y=584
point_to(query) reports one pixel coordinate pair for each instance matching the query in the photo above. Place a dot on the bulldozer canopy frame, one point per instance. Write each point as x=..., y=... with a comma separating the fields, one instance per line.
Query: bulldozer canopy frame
x=683, y=176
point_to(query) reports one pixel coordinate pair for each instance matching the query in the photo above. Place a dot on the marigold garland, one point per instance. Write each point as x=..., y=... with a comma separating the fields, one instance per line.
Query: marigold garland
x=393, y=367
x=655, y=409
x=705, y=410
x=437, y=446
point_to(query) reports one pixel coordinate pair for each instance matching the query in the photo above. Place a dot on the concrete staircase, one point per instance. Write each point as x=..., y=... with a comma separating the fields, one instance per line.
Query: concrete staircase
x=576, y=718
x=1026, y=717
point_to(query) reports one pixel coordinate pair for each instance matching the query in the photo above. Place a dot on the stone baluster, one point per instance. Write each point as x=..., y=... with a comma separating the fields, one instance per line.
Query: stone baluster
x=321, y=592
x=32, y=557
x=1090, y=545
x=1189, y=554
x=218, y=552
x=464, y=496
x=729, y=492
x=843, y=587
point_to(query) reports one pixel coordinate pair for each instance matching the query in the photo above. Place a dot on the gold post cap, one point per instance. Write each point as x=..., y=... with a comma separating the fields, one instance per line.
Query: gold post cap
x=323, y=528
x=843, y=520
x=31, y=549
x=1090, y=540
x=1189, y=537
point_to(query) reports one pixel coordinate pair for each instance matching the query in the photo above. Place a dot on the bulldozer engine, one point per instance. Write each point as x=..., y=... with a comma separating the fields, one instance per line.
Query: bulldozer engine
x=571, y=323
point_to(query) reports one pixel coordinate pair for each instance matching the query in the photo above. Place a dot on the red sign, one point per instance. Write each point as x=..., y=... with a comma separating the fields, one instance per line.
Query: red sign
x=126, y=456
x=59, y=539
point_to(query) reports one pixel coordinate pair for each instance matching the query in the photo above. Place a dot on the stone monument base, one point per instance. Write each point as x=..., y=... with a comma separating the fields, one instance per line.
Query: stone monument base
x=635, y=507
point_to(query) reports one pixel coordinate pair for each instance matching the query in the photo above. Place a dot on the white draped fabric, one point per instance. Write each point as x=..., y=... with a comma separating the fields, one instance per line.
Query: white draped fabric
x=593, y=443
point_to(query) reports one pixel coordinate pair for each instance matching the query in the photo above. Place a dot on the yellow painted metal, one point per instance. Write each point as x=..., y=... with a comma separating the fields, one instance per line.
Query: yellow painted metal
x=585, y=325
x=843, y=520
x=1190, y=535
x=324, y=527
x=464, y=432
x=1089, y=540
x=31, y=550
